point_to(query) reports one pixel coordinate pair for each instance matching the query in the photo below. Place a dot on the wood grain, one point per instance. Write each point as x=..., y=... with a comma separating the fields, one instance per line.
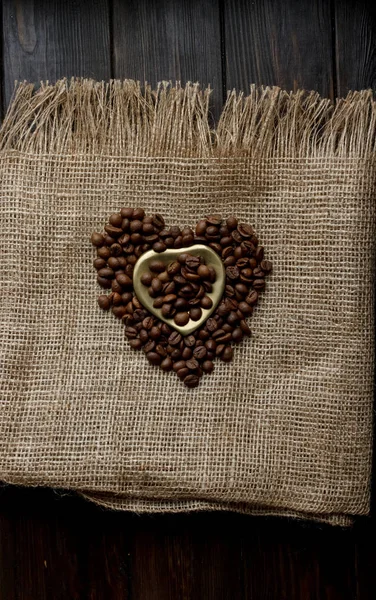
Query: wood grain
x=49, y=39
x=288, y=44
x=355, y=45
x=167, y=40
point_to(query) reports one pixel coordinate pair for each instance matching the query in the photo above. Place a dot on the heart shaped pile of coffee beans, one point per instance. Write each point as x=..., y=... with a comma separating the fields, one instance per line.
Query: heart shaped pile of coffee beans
x=191, y=307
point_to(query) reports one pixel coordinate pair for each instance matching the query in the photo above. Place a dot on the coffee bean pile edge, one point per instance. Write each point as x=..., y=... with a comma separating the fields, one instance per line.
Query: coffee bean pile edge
x=128, y=235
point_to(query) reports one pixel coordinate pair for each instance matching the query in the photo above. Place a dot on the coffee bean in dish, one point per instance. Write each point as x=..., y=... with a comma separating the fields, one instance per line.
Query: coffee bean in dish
x=180, y=289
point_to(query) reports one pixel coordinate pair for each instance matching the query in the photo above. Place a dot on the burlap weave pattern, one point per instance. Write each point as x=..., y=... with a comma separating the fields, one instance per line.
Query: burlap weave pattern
x=287, y=427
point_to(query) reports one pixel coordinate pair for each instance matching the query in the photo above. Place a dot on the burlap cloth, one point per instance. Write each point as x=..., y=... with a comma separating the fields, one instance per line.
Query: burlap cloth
x=287, y=427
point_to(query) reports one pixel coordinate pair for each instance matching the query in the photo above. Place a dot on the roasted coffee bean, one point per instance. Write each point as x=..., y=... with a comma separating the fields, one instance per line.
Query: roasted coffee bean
x=237, y=335
x=181, y=304
x=211, y=324
x=201, y=227
x=252, y=298
x=99, y=263
x=245, y=308
x=154, y=358
x=176, y=354
x=169, y=241
x=161, y=350
x=259, y=254
x=259, y=284
x=182, y=373
x=167, y=310
x=258, y=273
x=223, y=338
x=229, y=261
x=104, y=252
x=210, y=345
x=113, y=263
x=156, y=285
x=181, y=318
x=136, y=344
x=189, y=341
x=227, y=327
x=97, y=239
x=207, y=366
x=159, y=247
x=124, y=280
x=146, y=279
x=166, y=364
x=214, y=219
x=104, y=302
x=119, y=311
x=266, y=265
x=175, y=338
x=124, y=239
x=191, y=381
x=135, y=226
x=186, y=353
x=164, y=277
x=148, y=228
x=244, y=327
x=203, y=335
x=226, y=242
x=173, y=268
x=148, y=323
x=107, y=273
x=227, y=252
x=180, y=364
x=144, y=336
x=206, y=302
x=158, y=221
x=158, y=302
x=155, y=333
x=232, y=272
x=149, y=346
x=138, y=314
x=232, y=318
x=152, y=238
x=170, y=298
x=165, y=329
x=130, y=332
x=156, y=266
x=200, y=352
x=112, y=231
x=116, y=219
x=203, y=271
x=108, y=240
x=192, y=364
x=246, y=231
x=116, y=299
x=231, y=223
x=222, y=310
x=126, y=213
x=137, y=239
x=227, y=354
x=195, y=313
x=212, y=230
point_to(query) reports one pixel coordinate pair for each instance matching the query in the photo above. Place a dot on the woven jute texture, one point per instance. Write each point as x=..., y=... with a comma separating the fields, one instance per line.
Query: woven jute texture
x=287, y=427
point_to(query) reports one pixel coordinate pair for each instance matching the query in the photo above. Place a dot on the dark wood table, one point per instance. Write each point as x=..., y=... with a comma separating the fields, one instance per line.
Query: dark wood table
x=55, y=545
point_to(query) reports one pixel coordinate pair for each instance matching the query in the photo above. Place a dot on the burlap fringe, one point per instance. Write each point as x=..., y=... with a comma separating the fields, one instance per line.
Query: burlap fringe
x=124, y=119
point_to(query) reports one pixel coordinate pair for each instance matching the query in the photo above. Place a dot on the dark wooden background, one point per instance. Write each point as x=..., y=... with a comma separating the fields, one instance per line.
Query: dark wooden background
x=58, y=546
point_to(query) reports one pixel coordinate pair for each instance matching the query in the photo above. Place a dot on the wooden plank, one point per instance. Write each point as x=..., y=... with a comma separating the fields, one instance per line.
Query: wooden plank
x=59, y=547
x=49, y=39
x=355, y=44
x=155, y=41
x=186, y=557
x=288, y=44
